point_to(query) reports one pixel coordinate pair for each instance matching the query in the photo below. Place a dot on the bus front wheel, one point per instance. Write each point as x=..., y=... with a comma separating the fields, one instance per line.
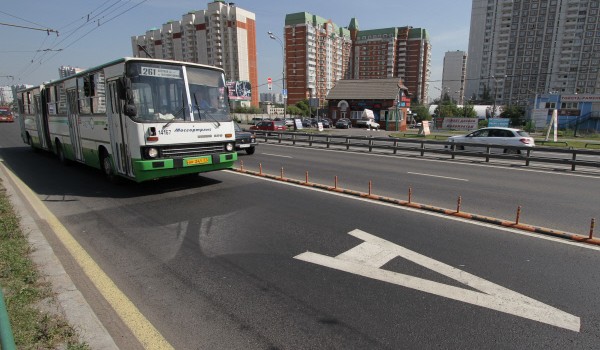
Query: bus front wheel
x=107, y=168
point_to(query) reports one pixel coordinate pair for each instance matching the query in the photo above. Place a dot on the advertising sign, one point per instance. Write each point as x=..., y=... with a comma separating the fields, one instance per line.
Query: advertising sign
x=239, y=90
x=540, y=118
x=460, y=123
x=498, y=122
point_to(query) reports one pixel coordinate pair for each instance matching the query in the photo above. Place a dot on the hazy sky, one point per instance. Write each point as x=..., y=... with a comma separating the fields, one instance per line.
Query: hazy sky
x=29, y=56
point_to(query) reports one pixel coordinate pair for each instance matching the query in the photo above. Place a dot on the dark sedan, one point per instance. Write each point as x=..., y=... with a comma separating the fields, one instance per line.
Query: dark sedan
x=245, y=140
x=343, y=123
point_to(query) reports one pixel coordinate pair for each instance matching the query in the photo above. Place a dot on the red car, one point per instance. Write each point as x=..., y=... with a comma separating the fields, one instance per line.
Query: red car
x=6, y=115
x=270, y=125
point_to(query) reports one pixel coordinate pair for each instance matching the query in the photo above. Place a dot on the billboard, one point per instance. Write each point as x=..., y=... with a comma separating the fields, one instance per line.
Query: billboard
x=460, y=123
x=239, y=90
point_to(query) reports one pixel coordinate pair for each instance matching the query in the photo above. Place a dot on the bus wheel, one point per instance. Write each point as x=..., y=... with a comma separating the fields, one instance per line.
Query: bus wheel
x=61, y=154
x=107, y=167
x=30, y=143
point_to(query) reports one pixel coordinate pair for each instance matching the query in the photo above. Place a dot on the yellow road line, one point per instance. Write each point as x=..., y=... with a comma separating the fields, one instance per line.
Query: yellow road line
x=143, y=330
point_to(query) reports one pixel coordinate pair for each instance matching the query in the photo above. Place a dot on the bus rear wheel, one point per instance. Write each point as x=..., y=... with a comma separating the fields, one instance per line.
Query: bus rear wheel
x=60, y=153
x=30, y=143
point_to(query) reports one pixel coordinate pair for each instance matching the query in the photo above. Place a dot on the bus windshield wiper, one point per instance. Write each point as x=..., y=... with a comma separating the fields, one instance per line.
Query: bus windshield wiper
x=205, y=112
x=175, y=115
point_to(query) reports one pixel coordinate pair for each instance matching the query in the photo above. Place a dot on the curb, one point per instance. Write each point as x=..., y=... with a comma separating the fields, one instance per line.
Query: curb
x=68, y=299
x=439, y=210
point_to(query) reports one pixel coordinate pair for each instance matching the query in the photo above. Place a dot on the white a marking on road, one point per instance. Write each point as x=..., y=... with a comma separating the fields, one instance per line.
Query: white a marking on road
x=367, y=258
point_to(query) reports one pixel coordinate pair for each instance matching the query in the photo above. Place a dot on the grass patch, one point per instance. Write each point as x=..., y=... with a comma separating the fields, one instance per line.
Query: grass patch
x=24, y=291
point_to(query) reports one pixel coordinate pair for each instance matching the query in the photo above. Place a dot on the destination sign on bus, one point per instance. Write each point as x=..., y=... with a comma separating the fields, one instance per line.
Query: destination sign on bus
x=160, y=72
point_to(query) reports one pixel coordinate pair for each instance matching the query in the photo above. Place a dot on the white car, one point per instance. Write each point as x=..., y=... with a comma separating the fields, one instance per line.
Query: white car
x=495, y=136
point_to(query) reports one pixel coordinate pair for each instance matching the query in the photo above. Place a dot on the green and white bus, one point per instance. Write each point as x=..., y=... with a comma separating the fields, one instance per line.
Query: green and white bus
x=134, y=118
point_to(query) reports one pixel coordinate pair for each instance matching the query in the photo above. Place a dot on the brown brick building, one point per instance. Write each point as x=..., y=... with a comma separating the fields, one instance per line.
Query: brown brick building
x=319, y=53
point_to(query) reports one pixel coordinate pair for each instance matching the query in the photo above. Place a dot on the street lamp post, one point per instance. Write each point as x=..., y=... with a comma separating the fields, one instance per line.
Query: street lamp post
x=274, y=37
x=495, y=94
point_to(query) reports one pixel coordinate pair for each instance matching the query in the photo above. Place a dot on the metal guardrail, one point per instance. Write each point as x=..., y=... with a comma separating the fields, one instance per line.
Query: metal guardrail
x=423, y=146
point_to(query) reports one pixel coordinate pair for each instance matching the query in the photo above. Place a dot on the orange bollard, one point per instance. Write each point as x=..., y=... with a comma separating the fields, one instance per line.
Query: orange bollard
x=241, y=165
x=518, y=215
x=370, y=185
x=260, y=168
x=459, y=202
x=335, y=182
x=409, y=194
x=282, y=173
x=592, y=228
x=306, y=178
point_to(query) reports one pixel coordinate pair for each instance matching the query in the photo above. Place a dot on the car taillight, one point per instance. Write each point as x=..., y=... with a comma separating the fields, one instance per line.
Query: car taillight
x=525, y=141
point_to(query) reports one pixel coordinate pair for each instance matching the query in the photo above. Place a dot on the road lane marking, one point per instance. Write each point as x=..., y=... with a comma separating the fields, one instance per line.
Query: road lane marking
x=439, y=176
x=276, y=155
x=429, y=213
x=139, y=326
x=367, y=258
x=453, y=162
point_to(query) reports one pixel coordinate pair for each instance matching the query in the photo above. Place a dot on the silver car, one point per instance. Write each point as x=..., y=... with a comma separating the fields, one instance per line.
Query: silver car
x=494, y=136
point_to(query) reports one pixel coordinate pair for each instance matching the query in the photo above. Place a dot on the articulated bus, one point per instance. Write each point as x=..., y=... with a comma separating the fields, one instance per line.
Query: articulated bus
x=134, y=118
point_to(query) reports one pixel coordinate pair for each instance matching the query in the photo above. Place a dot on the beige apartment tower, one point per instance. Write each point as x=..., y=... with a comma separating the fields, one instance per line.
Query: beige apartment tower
x=223, y=35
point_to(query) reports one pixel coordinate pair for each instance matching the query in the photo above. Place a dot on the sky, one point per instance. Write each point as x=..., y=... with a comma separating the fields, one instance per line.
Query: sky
x=32, y=56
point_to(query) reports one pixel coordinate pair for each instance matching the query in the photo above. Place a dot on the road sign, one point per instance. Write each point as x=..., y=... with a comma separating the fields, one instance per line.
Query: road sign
x=367, y=258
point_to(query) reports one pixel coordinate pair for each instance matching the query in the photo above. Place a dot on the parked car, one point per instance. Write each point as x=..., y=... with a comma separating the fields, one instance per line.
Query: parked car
x=269, y=125
x=366, y=122
x=244, y=140
x=343, y=123
x=306, y=122
x=495, y=136
x=327, y=123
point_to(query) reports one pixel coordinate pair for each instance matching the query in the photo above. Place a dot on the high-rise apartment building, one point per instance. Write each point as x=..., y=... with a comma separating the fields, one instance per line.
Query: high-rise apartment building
x=519, y=48
x=223, y=35
x=454, y=75
x=65, y=71
x=403, y=52
x=317, y=54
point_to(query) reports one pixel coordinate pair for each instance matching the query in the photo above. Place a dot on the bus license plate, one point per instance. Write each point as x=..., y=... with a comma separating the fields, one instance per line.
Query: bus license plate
x=197, y=161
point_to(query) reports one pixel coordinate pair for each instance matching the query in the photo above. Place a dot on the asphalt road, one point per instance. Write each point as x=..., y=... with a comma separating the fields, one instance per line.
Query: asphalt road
x=228, y=261
x=557, y=200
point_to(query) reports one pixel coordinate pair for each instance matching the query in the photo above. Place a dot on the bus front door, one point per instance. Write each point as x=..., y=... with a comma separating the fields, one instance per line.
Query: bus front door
x=74, y=125
x=117, y=122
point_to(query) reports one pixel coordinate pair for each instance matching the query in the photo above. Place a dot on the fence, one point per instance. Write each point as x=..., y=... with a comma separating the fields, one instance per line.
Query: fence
x=392, y=145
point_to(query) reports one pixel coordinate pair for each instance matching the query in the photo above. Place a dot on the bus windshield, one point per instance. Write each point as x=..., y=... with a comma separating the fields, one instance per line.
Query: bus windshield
x=160, y=93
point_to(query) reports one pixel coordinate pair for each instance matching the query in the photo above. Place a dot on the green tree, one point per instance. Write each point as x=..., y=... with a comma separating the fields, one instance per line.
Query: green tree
x=294, y=111
x=247, y=110
x=467, y=111
x=447, y=109
x=420, y=113
x=516, y=114
x=304, y=107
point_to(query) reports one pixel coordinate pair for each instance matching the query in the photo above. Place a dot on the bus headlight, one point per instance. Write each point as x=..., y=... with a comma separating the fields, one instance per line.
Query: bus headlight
x=229, y=147
x=151, y=152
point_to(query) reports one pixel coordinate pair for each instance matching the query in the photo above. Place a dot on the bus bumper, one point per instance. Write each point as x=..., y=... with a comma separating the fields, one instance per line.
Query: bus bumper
x=152, y=169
